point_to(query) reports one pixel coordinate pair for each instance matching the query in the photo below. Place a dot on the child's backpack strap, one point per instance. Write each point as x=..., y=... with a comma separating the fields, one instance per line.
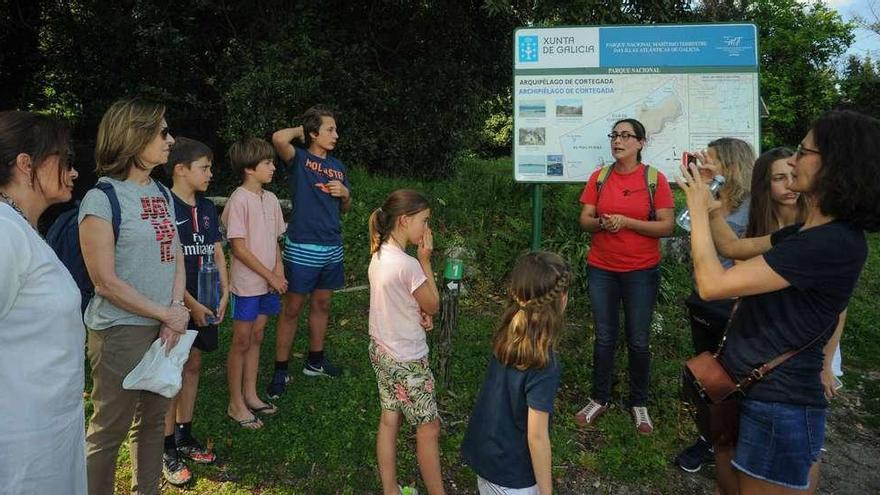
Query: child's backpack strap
x=115, y=209
x=651, y=184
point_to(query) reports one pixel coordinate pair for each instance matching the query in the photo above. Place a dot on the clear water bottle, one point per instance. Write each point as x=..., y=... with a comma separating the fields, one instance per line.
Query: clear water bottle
x=209, y=287
x=684, y=219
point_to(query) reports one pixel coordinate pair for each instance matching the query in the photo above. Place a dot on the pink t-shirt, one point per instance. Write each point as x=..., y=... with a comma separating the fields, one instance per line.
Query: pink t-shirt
x=257, y=219
x=394, y=312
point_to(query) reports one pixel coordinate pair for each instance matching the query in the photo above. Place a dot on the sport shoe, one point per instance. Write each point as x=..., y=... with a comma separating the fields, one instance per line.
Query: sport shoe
x=407, y=490
x=195, y=451
x=694, y=457
x=278, y=385
x=643, y=421
x=174, y=470
x=324, y=368
x=590, y=413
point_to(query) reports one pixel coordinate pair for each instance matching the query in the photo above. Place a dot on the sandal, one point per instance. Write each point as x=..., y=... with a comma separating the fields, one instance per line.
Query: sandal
x=268, y=410
x=252, y=423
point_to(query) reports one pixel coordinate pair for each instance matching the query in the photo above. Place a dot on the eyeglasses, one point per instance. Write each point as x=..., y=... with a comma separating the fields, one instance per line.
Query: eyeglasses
x=802, y=150
x=624, y=136
x=164, y=133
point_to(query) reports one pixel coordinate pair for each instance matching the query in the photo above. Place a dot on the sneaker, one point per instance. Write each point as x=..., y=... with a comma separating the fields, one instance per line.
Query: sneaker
x=174, y=470
x=643, y=421
x=195, y=451
x=324, y=368
x=696, y=456
x=407, y=490
x=278, y=385
x=590, y=413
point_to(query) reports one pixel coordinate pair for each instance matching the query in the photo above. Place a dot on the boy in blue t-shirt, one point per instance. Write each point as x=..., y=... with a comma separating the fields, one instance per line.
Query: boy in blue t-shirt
x=313, y=256
x=189, y=167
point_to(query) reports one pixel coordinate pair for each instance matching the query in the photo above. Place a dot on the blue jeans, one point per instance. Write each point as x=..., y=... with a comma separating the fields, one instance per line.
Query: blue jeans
x=638, y=291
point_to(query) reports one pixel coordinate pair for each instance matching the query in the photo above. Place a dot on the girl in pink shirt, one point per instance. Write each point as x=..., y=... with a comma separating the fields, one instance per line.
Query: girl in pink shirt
x=403, y=296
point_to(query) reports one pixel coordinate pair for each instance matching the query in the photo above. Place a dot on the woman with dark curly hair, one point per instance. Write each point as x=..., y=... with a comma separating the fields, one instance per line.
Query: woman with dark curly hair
x=793, y=287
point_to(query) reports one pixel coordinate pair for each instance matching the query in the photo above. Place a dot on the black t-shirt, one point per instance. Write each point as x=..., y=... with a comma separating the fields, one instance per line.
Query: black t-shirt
x=822, y=264
x=496, y=444
x=198, y=230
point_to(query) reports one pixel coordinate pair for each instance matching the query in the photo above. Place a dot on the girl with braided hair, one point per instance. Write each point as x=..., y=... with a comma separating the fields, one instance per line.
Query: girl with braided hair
x=508, y=440
x=403, y=296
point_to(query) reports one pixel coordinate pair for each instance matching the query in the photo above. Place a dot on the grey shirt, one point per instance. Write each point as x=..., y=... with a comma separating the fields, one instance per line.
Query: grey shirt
x=738, y=220
x=145, y=255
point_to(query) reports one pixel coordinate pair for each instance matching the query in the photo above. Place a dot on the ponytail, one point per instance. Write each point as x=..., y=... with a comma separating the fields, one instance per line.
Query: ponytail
x=379, y=229
x=402, y=202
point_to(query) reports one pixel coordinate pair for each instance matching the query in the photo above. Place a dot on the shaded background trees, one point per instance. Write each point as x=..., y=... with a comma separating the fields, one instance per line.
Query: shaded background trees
x=416, y=83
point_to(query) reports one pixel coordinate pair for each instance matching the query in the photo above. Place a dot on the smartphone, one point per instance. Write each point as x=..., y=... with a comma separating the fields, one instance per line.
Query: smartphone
x=688, y=158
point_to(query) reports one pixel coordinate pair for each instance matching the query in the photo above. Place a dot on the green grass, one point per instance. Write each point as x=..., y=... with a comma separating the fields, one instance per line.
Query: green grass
x=322, y=441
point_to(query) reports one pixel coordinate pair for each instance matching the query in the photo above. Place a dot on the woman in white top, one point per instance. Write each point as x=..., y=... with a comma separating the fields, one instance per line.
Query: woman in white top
x=42, y=443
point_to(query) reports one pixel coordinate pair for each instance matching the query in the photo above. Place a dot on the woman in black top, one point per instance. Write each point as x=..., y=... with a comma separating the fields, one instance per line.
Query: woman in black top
x=792, y=288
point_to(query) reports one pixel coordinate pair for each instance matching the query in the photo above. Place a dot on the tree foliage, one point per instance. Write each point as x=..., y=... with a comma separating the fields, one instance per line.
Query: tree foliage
x=860, y=85
x=414, y=82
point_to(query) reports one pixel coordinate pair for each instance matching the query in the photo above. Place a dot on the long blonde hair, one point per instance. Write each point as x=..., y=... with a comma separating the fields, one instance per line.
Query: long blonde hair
x=126, y=128
x=737, y=158
x=535, y=314
x=402, y=202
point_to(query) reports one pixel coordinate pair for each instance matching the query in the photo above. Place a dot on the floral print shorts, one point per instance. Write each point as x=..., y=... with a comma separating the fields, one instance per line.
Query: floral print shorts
x=405, y=386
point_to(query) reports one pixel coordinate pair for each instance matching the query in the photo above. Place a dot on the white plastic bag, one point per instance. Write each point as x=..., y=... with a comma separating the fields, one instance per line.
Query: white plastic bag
x=160, y=373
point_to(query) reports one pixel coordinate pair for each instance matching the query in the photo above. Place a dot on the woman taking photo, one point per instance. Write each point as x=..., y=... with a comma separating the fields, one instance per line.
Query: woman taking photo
x=775, y=206
x=41, y=365
x=794, y=285
x=627, y=208
x=732, y=159
x=139, y=283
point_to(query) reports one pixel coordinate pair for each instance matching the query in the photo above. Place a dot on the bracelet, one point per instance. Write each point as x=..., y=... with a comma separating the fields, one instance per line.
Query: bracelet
x=177, y=302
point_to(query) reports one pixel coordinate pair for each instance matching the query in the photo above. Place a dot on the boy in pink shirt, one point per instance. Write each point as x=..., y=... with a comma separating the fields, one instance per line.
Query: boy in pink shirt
x=253, y=221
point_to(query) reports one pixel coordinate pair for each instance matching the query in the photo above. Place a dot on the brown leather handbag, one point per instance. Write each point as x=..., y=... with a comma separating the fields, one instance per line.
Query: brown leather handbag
x=714, y=393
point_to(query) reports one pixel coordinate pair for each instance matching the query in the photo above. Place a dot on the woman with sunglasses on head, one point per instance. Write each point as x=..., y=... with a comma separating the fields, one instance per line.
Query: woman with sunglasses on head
x=793, y=287
x=41, y=332
x=139, y=281
x=732, y=159
x=627, y=207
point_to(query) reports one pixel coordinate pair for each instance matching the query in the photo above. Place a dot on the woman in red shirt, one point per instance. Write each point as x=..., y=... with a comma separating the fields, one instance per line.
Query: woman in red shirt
x=623, y=265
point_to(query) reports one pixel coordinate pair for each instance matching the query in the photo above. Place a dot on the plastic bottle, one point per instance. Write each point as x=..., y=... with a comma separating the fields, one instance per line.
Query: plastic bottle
x=209, y=287
x=684, y=219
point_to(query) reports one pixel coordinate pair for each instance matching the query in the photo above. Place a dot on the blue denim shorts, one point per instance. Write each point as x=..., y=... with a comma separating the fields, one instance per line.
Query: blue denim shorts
x=779, y=443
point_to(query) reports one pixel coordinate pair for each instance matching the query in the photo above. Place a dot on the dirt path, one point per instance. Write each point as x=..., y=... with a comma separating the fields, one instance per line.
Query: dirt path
x=850, y=465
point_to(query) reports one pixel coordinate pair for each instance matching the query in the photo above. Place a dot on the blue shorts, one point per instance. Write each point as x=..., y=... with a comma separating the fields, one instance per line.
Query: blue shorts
x=247, y=308
x=308, y=267
x=779, y=443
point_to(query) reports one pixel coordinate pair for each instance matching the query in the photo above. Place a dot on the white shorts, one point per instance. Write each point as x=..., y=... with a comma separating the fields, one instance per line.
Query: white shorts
x=489, y=488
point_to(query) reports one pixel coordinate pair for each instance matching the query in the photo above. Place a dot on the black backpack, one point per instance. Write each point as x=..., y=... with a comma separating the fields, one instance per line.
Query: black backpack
x=63, y=237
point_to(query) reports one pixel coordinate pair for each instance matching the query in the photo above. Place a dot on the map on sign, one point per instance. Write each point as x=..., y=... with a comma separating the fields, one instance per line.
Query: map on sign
x=564, y=110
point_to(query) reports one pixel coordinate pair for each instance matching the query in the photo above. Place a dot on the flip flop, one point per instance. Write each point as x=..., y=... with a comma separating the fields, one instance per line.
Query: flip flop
x=268, y=410
x=246, y=423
